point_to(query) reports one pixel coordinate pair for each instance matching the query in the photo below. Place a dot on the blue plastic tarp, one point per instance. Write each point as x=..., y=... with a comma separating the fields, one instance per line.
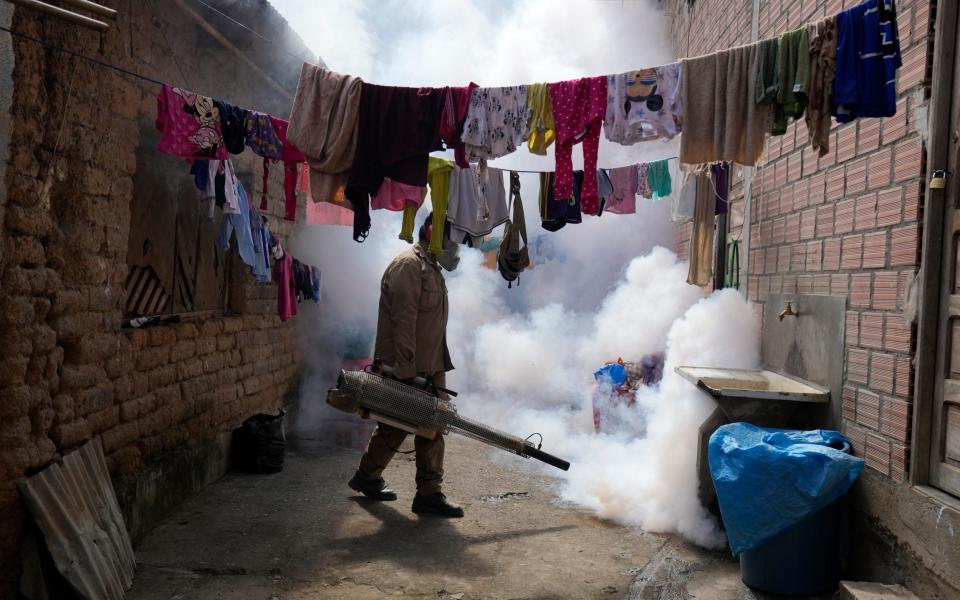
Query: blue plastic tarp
x=611, y=374
x=770, y=479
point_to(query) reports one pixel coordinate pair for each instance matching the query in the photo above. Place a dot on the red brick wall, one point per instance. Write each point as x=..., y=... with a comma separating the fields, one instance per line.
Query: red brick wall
x=68, y=372
x=846, y=224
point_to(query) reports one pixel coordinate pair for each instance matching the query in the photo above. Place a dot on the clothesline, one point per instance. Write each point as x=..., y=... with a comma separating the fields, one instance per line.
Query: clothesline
x=636, y=163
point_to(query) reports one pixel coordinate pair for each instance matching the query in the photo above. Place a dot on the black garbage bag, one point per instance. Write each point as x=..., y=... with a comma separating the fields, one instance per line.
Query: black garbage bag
x=259, y=444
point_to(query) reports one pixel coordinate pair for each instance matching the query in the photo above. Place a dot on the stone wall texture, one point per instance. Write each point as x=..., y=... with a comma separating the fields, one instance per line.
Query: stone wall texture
x=68, y=372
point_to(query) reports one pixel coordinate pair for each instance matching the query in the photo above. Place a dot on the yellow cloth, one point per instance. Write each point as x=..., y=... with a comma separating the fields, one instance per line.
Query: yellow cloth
x=438, y=178
x=542, y=126
x=409, y=219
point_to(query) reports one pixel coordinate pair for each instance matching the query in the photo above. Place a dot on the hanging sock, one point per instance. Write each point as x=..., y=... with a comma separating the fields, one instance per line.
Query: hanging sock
x=409, y=218
x=438, y=178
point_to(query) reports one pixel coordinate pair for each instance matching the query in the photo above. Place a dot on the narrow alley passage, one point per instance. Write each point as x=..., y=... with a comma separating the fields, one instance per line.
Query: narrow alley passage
x=303, y=534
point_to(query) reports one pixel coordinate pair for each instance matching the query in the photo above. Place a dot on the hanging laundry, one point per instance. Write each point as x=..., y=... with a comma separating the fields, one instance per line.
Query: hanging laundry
x=204, y=176
x=397, y=129
x=823, y=55
x=409, y=222
x=720, y=176
x=701, y=239
x=793, y=72
x=623, y=201
x=768, y=83
x=394, y=195
x=477, y=202
x=260, y=136
x=455, y=105
x=189, y=124
x=233, y=121
x=303, y=286
x=643, y=181
x=438, y=176
x=286, y=287
x=291, y=157
x=512, y=259
x=218, y=182
x=239, y=223
x=496, y=122
x=578, y=109
x=658, y=175
x=685, y=203
x=720, y=119
x=604, y=188
x=323, y=125
x=315, y=280
x=542, y=126
x=644, y=105
x=322, y=213
x=868, y=56
x=556, y=213
x=261, y=244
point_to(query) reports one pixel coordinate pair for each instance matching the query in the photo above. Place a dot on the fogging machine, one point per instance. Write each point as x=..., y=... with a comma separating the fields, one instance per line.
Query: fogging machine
x=415, y=406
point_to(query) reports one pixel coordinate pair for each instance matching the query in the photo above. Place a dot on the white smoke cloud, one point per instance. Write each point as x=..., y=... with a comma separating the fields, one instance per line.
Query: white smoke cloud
x=597, y=291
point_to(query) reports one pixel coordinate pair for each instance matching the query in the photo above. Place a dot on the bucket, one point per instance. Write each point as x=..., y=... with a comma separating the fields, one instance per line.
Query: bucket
x=804, y=560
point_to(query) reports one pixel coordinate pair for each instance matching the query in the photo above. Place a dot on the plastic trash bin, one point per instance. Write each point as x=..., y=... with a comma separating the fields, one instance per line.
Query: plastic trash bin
x=802, y=561
x=781, y=498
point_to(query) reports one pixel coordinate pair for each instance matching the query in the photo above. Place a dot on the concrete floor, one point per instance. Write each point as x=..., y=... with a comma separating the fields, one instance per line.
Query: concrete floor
x=303, y=534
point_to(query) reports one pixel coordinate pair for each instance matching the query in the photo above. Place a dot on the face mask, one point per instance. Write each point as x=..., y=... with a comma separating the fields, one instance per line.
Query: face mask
x=449, y=259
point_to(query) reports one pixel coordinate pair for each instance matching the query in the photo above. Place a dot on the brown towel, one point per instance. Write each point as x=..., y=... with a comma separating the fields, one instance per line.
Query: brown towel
x=721, y=120
x=323, y=125
x=823, y=54
x=701, y=240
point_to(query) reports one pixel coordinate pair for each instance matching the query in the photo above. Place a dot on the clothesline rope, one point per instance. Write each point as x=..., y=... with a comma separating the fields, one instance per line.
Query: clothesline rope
x=604, y=168
x=251, y=30
x=79, y=55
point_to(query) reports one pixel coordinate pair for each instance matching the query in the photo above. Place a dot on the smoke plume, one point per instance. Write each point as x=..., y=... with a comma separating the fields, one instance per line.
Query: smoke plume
x=604, y=289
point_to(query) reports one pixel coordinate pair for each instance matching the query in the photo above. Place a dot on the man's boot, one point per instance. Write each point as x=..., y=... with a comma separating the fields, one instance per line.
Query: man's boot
x=375, y=489
x=436, y=504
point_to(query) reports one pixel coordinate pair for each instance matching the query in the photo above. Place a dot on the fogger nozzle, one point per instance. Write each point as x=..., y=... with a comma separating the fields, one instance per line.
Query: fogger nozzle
x=418, y=411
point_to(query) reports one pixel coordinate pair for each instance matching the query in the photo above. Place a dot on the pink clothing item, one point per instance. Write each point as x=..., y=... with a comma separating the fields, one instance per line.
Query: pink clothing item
x=290, y=151
x=394, y=195
x=190, y=125
x=322, y=213
x=286, y=288
x=623, y=201
x=643, y=181
x=290, y=156
x=290, y=169
x=578, y=110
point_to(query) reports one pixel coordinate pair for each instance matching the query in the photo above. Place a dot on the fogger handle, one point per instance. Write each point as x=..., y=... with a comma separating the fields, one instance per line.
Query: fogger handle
x=418, y=382
x=550, y=459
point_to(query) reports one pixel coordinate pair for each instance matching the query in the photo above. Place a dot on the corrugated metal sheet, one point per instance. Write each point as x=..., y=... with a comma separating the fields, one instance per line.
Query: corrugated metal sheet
x=75, y=506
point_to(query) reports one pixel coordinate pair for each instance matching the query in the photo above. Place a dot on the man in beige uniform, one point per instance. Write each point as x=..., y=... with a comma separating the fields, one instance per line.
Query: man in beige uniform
x=412, y=338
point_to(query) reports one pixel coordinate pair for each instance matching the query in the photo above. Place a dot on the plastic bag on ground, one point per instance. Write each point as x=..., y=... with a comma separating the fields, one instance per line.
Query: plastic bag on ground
x=770, y=479
x=259, y=444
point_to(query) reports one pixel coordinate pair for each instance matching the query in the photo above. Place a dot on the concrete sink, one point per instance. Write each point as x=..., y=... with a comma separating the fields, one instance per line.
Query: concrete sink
x=756, y=396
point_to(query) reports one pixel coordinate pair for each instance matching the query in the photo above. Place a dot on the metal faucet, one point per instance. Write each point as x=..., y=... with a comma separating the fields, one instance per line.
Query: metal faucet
x=788, y=311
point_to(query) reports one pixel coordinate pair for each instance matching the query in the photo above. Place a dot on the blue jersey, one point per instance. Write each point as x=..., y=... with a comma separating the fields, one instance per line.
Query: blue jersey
x=868, y=56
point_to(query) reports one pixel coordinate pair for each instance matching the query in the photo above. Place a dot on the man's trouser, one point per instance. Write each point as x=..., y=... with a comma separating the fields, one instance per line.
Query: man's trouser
x=385, y=442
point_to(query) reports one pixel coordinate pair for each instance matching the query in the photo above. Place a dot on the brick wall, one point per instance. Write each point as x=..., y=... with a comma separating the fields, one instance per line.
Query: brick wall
x=68, y=372
x=846, y=224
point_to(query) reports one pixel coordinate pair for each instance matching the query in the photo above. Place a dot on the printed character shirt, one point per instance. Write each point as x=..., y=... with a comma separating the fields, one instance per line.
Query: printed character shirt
x=644, y=105
x=189, y=124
